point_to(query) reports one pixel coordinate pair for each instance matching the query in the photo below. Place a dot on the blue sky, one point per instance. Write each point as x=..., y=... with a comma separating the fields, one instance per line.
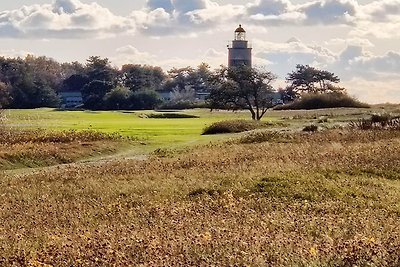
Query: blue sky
x=358, y=40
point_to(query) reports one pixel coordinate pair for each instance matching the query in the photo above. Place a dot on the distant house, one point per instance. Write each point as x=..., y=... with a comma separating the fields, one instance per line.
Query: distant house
x=164, y=95
x=71, y=99
x=202, y=96
x=276, y=99
x=198, y=97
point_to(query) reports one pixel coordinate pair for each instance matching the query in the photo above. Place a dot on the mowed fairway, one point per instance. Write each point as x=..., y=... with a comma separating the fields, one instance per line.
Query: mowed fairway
x=155, y=132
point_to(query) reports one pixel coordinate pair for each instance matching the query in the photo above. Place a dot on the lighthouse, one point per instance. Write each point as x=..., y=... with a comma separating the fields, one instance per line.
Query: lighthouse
x=239, y=50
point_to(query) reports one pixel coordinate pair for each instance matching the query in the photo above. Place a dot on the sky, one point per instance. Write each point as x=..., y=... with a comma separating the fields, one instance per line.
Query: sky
x=357, y=40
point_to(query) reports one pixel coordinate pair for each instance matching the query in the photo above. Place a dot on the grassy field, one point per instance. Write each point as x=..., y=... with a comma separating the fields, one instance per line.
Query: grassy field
x=157, y=132
x=262, y=198
x=146, y=134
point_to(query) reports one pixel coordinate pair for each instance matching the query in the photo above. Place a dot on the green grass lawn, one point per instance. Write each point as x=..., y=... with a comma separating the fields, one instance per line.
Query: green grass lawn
x=156, y=132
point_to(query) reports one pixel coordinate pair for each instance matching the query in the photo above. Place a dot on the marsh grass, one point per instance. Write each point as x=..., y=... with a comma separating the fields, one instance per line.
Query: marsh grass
x=328, y=198
x=38, y=148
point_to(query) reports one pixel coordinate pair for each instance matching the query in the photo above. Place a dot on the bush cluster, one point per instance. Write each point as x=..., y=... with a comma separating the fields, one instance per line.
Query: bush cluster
x=327, y=100
x=233, y=126
x=310, y=128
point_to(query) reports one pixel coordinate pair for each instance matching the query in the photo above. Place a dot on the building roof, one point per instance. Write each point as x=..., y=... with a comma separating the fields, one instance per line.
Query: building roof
x=240, y=29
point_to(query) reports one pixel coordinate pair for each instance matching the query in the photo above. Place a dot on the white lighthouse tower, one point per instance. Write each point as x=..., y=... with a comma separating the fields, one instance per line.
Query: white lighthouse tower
x=239, y=51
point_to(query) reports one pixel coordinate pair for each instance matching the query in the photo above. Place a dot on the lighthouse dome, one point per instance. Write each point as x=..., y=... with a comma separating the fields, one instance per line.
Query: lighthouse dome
x=240, y=29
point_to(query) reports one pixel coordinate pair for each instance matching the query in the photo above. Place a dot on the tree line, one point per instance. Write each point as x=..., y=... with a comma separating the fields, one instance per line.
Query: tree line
x=34, y=82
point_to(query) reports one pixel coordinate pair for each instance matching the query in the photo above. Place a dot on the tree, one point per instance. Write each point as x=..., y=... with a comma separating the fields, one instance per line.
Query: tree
x=31, y=93
x=99, y=69
x=101, y=79
x=200, y=78
x=93, y=94
x=138, y=77
x=179, y=79
x=242, y=88
x=5, y=97
x=46, y=70
x=144, y=99
x=31, y=82
x=307, y=79
x=118, y=98
x=75, y=82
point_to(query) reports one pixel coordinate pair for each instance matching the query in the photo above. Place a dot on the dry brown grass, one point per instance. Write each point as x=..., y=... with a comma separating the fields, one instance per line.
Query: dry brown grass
x=21, y=149
x=321, y=199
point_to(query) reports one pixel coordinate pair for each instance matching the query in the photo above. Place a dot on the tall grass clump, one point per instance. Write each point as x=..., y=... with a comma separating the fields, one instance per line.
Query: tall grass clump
x=28, y=149
x=11, y=136
x=261, y=136
x=377, y=122
x=2, y=120
x=234, y=126
x=327, y=100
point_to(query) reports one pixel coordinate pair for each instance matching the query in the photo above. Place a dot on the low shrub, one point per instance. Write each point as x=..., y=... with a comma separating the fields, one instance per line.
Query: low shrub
x=266, y=136
x=327, y=100
x=234, y=126
x=377, y=122
x=310, y=128
x=171, y=116
x=323, y=119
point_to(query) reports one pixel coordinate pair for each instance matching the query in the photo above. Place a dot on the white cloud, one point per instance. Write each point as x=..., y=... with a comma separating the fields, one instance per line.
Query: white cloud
x=381, y=11
x=351, y=62
x=353, y=41
x=330, y=11
x=12, y=53
x=380, y=19
x=283, y=57
x=372, y=78
x=164, y=4
x=75, y=19
x=374, y=91
x=62, y=19
x=131, y=55
x=268, y=7
x=184, y=6
x=183, y=18
x=216, y=15
x=386, y=65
